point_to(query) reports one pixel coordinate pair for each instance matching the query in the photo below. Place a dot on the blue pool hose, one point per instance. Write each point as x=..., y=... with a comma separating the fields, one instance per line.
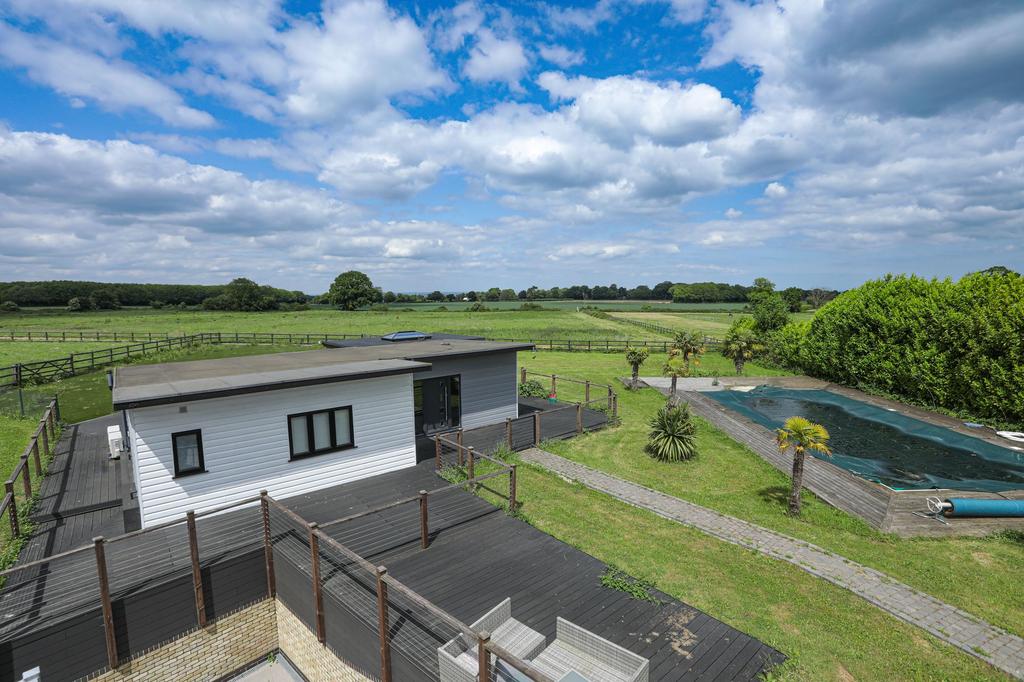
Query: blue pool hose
x=967, y=506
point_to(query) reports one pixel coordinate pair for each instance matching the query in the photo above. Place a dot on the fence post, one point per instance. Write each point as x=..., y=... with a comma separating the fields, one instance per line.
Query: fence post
x=268, y=545
x=609, y=397
x=26, y=479
x=424, y=533
x=437, y=452
x=17, y=376
x=522, y=375
x=512, y=504
x=469, y=452
x=197, y=575
x=35, y=454
x=46, y=438
x=554, y=385
x=587, y=391
x=318, y=595
x=108, y=611
x=71, y=363
x=12, y=510
x=536, y=427
x=458, y=437
x=382, y=625
x=484, y=656
x=508, y=431
x=615, y=407
x=579, y=418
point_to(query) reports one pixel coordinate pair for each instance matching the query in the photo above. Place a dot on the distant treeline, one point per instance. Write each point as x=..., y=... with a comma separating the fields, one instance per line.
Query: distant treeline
x=59, y=292
x=697, y=292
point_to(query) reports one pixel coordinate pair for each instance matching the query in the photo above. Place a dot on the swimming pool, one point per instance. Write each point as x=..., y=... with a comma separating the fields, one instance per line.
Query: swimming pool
x=885, y=446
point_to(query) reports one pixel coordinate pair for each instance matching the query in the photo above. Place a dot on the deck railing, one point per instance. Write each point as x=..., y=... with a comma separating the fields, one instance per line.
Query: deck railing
x=40, y=447
x=101, y=575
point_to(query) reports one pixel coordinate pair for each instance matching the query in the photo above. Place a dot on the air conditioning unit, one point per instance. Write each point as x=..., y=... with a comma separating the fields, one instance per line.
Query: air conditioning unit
x=115, y=440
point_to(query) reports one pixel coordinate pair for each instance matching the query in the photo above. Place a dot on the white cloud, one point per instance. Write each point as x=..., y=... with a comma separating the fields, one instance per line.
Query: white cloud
x=733, y=213
x=77, y=74
x=496, y=59
x=775, y=190
x=561, y=55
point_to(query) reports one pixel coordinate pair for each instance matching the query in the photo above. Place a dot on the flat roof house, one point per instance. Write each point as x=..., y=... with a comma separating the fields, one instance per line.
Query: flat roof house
x=206, y=433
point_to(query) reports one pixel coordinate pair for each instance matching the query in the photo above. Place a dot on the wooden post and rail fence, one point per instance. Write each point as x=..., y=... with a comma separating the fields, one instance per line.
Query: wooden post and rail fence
x=40, y=447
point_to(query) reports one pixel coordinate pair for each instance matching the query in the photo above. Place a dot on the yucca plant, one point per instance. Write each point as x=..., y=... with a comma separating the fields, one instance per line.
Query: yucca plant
x=673, y=435
x=801, y=435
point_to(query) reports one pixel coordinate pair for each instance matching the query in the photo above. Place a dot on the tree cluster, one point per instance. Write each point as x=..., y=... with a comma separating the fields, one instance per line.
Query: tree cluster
x=60, y=292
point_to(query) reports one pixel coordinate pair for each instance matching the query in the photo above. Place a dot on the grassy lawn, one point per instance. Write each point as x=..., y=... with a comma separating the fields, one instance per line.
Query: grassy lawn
x=980, y=575
x=548, y=324
x=12, y=352
x=15, y=434
x=828, y=633
x=710, y=323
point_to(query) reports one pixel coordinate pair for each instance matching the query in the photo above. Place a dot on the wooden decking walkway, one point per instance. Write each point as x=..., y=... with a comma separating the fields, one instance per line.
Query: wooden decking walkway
x=948, y=623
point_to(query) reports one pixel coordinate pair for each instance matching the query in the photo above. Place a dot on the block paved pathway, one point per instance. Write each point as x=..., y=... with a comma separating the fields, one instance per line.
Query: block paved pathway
x=948, y=623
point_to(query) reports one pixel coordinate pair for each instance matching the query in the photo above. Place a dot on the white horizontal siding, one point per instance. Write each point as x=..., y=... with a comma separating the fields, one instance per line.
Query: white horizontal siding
x=245, y=444
x=488, y=384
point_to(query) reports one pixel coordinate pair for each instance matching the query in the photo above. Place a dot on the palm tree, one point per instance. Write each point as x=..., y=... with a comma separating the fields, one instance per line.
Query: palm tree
x=673, y=435
x=801, y=435
x=636, y=357
x=675, y=367
x=688, y=344
x=740, y=345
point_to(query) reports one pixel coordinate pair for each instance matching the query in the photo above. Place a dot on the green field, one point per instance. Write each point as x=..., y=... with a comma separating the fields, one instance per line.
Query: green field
x=553, y=324
x=710, y=323
x=658, y=306
x=31, y=351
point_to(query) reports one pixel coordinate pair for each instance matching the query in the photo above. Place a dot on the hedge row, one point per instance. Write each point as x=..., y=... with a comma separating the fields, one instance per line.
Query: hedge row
x=957, y=345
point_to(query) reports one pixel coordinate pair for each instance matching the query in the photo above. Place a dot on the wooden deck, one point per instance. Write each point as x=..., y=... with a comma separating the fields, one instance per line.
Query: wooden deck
x=888, y=510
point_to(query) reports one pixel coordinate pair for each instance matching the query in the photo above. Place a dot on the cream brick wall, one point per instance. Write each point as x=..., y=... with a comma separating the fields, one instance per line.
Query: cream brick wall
x=224, y=646
x=312, y=658
x=233, y=642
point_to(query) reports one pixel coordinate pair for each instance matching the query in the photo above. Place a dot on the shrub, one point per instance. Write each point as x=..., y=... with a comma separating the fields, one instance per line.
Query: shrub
x=8, y=307
x=785, y=346
x=156, y=305
x=531, y=306
x=79, y=305
x=673, y=435
x=478, y=307
x=956, y=345
x=532, y=389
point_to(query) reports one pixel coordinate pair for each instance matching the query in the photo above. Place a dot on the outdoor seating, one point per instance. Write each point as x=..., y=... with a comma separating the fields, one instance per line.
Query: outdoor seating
x=457, y=659
x=580, y=651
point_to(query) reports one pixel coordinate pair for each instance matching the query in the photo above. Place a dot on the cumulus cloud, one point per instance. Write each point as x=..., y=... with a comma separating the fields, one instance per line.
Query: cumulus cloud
x=496, y=59
x=775, y=190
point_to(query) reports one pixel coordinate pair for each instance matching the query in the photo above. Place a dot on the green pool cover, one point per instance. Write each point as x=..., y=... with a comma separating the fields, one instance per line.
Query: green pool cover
x=886, y=446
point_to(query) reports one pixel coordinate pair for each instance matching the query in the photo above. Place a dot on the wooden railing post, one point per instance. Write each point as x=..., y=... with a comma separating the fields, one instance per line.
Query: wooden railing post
x=382, y=623
x=587, y=391
x=609, y=398
x=424, y=533
x=484, y=657
x=108, y=611
x=268, y=545
x=522, y=375
x=35, y=456
x=615, y=406
x=46, y=440
x=26, y=478
x=471, y=456
x=437, y=452
x=197, y=574
x=318, y=595
x=579, y=418
x=536, y=427
x=554, y=385
x=508, y=431
x=458, y=438
x=12, y=510
x=512, y=504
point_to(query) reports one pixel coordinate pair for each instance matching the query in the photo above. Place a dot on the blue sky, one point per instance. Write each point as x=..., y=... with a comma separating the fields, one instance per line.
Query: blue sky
x=464, y=145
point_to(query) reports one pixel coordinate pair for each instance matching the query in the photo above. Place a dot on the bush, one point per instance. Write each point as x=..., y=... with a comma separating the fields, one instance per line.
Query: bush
x=533, y=389
x=785, y=346
x=293, y=307
x=8, y=307
x=79, y=305
x=156, y=305
x=673, y=435
x=956, y=345
x=531, y=306
x=478, y=307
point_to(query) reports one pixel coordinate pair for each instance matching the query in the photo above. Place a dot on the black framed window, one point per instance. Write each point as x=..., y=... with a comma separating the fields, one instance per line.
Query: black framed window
x=188, y=452
x=320, y=432
x=437, y=403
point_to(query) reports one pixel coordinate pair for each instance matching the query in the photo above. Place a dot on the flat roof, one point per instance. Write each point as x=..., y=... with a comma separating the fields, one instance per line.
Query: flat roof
x=175, y=382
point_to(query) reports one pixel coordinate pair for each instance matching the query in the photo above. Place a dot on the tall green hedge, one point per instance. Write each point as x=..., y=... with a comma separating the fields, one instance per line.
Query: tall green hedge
x=958, y=345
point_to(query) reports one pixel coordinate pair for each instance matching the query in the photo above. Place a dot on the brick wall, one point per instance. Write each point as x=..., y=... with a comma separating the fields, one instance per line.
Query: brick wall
x=224, y=646
x=313, y=659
